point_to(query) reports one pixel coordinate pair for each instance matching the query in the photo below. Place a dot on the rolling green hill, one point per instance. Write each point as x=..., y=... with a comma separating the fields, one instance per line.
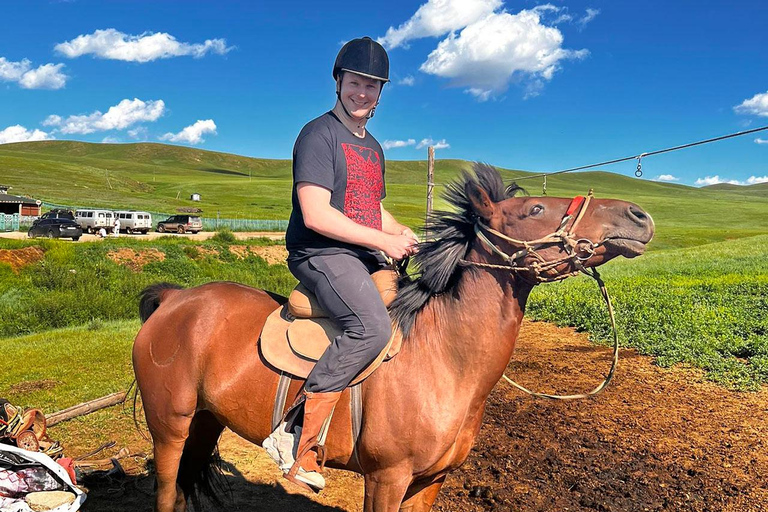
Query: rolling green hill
x=159, y=177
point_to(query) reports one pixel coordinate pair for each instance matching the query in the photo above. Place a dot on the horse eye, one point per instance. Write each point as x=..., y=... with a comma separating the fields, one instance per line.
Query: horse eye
x=537, y=209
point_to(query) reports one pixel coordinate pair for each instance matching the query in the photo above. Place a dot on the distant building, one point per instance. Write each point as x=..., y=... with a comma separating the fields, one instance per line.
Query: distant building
x=195, y=197
x=16, y=204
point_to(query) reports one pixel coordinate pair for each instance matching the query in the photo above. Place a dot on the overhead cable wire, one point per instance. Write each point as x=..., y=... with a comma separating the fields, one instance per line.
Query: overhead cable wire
x=643, y=155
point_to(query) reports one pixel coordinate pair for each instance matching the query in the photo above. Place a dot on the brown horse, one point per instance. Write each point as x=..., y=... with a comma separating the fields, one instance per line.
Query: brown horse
x=199, y=370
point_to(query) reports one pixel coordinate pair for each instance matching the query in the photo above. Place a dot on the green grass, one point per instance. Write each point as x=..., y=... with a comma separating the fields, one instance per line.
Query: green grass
x=77, y=283
x=706, y=307
x=69, y=365
x=697, y=298
x=152, y=176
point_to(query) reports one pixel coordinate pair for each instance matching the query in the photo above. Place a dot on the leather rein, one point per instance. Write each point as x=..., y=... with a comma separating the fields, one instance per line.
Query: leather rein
x=578, y=250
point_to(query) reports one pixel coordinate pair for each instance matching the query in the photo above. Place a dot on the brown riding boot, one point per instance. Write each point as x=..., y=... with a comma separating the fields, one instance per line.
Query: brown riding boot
x=305, y=471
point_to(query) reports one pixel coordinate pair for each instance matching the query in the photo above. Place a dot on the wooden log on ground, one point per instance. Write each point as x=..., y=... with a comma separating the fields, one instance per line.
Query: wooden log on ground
x=86, y=408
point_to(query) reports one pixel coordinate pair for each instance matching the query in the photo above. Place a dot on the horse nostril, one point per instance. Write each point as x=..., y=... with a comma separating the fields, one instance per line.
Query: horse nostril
x=637, y=213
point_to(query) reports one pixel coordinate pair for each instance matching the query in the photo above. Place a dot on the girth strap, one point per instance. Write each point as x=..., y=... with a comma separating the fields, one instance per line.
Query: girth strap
x=282, y=394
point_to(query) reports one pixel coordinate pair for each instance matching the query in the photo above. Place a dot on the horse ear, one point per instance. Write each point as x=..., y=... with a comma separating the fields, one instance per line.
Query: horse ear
x=481, y=202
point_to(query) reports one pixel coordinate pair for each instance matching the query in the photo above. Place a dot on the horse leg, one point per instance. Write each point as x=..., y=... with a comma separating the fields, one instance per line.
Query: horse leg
x=384, y=490
x=421, y=497
x=170, y=497
x=198, y=456
x=169, y=433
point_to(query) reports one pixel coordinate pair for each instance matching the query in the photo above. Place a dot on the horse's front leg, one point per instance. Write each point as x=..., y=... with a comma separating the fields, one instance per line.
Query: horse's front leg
x=421, y=496
x=385, y=489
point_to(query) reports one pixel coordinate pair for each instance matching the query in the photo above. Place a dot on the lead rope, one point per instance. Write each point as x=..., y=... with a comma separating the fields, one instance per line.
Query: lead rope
x=604, y=291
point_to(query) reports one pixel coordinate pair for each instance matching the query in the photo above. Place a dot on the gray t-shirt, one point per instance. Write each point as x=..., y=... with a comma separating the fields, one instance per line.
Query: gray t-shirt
x=327, y=154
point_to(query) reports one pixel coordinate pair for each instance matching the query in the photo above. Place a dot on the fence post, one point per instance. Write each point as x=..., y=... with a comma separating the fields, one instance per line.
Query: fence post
x=430, y=182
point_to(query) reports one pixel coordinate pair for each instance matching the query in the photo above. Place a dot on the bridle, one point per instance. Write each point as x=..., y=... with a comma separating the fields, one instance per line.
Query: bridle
x=578, y=250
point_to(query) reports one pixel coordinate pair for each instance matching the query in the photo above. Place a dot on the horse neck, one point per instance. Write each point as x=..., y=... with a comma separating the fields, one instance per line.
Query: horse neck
x=474, y=328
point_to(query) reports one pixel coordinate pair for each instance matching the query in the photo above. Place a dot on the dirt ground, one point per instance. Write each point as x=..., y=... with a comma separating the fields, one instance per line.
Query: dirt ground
x=18, y=258
x=657, y=439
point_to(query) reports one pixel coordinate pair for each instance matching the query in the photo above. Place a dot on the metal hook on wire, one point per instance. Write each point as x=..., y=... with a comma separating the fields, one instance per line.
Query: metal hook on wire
x=639, y=171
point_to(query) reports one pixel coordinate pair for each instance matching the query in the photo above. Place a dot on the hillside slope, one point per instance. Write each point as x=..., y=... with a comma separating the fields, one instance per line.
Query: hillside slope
x=160, y=177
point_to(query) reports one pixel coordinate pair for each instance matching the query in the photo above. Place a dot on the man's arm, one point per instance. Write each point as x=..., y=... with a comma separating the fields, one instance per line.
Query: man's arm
x=323, y=218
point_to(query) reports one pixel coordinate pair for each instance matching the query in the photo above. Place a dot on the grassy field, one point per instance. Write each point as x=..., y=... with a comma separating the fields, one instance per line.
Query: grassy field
x=152, y=176
x=705, y=306
x=78, y=284
x=697, y=298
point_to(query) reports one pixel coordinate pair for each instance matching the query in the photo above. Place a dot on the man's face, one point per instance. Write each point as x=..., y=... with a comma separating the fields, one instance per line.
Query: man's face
x=359, y=93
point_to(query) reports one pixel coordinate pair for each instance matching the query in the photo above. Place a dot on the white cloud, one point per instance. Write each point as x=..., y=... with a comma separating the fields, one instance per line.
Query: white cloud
x=110, y=140
x=12, y=71
x=438, y=17
x=491, y=52
x=192, y=134
x=666, y=177
x=753, y=180
x=408, y=80
x=715, y=180
x=589, y=16
x=18, y=133
x=140, y=132
x=761, y=141
x=118, y=117
x=113, y=44
x=441, y=144
x=389, y=144
x=47, y=76
x=757, y=105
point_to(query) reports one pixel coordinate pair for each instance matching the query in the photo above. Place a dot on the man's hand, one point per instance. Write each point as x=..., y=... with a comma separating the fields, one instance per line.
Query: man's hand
x=410, y=234
x=399, y=246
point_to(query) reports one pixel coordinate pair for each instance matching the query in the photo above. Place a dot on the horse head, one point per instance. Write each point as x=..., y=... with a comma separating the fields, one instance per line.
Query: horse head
x=550, y=238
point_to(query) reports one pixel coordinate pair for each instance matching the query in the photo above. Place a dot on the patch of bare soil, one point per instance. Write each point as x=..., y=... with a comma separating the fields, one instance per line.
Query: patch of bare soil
x=273, y=254
x=18, y=258
x=133, y=259
x=29, y=386
x=656, y=439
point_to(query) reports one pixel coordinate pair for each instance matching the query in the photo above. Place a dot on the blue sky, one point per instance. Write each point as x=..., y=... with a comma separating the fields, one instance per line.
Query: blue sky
x=528, y=85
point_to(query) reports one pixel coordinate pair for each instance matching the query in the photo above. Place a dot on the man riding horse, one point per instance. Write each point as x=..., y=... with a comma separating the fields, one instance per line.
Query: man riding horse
x=336, y=235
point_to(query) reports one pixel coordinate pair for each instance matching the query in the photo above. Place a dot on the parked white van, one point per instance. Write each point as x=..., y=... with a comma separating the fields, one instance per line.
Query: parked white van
x=92, y=220
x=134, y=222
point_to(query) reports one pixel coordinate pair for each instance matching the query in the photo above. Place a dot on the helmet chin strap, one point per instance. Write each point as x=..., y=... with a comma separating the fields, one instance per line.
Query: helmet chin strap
x=349, y=114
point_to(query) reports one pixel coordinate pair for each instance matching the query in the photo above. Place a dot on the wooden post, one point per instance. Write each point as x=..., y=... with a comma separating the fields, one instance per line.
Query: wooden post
x=430, y=180
x=86, y=408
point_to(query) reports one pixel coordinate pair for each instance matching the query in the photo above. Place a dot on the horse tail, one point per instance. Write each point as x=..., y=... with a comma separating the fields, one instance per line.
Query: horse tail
x=201, y=470
x=151, y=296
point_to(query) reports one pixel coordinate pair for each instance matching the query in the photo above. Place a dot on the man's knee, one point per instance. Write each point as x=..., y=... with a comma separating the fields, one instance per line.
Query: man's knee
x=379, y=330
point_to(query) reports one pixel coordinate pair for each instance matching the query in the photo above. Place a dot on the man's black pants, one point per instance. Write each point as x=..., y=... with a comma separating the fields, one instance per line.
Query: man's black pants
x=343, y=286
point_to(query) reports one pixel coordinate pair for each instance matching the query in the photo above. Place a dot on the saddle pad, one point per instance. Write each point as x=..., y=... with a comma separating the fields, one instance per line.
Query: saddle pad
x=309, y=338
x=277, y=351
x=303, y=304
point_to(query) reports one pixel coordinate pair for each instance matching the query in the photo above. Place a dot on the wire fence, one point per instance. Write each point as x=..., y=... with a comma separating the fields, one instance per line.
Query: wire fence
x=209, y=223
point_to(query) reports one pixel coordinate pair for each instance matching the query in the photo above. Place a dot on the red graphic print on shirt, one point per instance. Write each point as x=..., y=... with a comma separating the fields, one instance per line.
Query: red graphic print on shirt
x=364, y=185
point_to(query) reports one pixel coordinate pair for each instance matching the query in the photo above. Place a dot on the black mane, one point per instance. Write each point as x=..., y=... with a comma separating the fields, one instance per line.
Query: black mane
x=449, y=236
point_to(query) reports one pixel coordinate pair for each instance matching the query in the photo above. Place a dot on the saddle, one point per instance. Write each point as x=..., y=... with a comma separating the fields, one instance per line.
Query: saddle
x=297, y=333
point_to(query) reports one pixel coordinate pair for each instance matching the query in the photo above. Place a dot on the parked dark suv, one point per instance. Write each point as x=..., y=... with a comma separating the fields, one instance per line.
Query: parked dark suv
x=55, y=228
x=58, y=213
x=180, y=224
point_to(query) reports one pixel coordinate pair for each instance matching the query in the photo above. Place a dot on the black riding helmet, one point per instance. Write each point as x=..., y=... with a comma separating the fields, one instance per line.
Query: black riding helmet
x=364, y=57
